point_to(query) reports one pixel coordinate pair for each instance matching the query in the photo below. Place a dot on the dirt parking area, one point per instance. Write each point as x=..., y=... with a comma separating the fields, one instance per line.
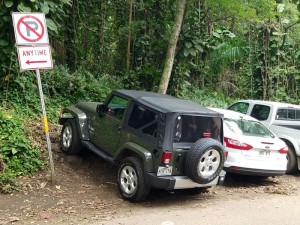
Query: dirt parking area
x=85, y=192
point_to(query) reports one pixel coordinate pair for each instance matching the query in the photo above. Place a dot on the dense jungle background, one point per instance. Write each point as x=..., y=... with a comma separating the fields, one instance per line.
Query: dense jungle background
x=227, y=50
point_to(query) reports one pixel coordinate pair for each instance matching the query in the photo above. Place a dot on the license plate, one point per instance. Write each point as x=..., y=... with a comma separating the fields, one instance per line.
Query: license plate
x=164, y=171
x=264, y=153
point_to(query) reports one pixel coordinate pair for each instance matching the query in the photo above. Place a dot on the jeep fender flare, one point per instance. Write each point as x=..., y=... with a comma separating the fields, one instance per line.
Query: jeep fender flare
x=130, y=149
x=80, y=119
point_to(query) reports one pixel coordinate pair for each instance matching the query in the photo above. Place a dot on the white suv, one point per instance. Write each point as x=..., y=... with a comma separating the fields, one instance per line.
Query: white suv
x=280, y=118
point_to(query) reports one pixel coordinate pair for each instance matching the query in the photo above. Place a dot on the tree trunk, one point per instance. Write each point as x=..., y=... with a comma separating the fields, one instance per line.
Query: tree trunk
x=163, y=86
x=129, y=37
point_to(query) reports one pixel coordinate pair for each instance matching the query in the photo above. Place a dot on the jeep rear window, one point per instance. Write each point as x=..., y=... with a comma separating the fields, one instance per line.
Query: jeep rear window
x=191, y=128
x=143, y=119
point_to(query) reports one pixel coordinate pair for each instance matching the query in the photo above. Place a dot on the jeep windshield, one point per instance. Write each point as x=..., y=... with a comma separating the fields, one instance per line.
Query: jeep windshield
x=190, y=128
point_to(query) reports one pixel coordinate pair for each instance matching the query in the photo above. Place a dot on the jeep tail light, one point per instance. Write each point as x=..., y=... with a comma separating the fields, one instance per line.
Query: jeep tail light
x=166, y=158
x=232, y=143
x=284, y=150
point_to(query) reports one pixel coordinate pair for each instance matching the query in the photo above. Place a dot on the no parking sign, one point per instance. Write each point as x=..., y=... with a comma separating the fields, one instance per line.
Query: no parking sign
x=30, y=28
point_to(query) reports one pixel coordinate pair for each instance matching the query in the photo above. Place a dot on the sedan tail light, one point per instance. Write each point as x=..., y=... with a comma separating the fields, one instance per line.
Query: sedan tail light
x=284, y=150
x=166, y=158
x=232, y=143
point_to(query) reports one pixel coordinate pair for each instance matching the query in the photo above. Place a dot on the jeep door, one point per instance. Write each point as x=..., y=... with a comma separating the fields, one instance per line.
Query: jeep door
x=108, y=126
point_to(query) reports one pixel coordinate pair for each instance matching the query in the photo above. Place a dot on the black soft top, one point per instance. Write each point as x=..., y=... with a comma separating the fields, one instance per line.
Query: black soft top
x=167, y=103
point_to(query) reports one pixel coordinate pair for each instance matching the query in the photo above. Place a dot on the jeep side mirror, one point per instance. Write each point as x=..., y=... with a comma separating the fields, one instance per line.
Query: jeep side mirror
x=101, y=109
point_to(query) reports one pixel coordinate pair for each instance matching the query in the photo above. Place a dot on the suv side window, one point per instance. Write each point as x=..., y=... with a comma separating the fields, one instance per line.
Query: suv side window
x=260, y=112
x=116, y=107
x=241, y=107
x=144, y=120
x=288, y=114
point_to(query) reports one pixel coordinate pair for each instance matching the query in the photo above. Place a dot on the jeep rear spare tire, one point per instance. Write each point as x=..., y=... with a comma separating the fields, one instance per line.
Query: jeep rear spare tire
x=205, y=160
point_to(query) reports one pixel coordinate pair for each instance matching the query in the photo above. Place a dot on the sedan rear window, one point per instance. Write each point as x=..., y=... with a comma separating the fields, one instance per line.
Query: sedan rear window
x=247, y=127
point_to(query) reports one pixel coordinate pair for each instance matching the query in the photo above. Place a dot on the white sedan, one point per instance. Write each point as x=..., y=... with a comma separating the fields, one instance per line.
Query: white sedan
x=252, y=148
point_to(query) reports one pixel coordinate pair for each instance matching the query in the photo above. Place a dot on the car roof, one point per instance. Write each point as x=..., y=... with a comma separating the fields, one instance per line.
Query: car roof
x=166, y=103
x=276, y=104
x=233, y=115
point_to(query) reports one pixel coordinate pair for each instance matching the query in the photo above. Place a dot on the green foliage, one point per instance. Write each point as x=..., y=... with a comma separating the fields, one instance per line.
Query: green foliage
x=205, y=97
x=16, y=151
x=60, y=88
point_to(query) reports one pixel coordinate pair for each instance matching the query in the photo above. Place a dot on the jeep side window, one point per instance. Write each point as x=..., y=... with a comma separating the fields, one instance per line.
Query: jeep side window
x=241, y=107
x=116, y=107
x=260, y=112
x=144, y=120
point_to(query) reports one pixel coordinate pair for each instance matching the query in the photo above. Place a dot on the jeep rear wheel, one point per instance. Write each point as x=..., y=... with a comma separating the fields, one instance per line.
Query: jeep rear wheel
x=131, y=180
x=69, y=138
x=205, y=160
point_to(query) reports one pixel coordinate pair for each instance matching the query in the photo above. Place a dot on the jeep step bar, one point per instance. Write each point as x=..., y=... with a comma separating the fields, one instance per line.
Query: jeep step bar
x=98, y=151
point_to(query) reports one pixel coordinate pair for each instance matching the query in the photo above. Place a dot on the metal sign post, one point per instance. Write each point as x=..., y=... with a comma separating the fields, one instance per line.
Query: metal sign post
x=34, y=53
x=45, y=121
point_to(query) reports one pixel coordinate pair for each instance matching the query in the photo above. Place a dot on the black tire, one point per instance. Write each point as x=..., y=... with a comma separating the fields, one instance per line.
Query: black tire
x=292, y=161
x=69, y=138
x=205, y=160
x=131, y=180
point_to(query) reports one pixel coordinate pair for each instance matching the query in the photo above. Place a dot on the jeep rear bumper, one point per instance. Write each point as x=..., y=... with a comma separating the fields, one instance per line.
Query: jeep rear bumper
x=180, y=182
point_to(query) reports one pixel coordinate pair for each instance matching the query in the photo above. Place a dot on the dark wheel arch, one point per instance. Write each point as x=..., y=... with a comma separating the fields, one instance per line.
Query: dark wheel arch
x=205, y=160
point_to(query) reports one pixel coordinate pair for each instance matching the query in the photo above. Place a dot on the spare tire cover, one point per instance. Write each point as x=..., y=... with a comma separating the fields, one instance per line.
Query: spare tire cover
x=205, y=160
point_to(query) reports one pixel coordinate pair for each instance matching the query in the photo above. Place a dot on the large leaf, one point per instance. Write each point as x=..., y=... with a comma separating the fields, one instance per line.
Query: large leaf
x=69, y=2
x=8, y=3
x=23, y=8
x=51, y=25
x=45, y=8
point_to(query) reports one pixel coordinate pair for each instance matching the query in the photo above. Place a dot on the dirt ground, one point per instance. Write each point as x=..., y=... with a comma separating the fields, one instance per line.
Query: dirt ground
x=85, y=192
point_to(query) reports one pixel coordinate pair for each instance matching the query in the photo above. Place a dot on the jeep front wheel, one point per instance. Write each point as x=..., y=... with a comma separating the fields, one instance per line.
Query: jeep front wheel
x=131, y=180
x=69, y=138
x=205, y=160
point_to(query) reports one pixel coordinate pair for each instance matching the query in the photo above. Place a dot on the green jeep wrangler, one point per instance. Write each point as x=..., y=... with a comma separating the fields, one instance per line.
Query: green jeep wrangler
x=156, y=140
